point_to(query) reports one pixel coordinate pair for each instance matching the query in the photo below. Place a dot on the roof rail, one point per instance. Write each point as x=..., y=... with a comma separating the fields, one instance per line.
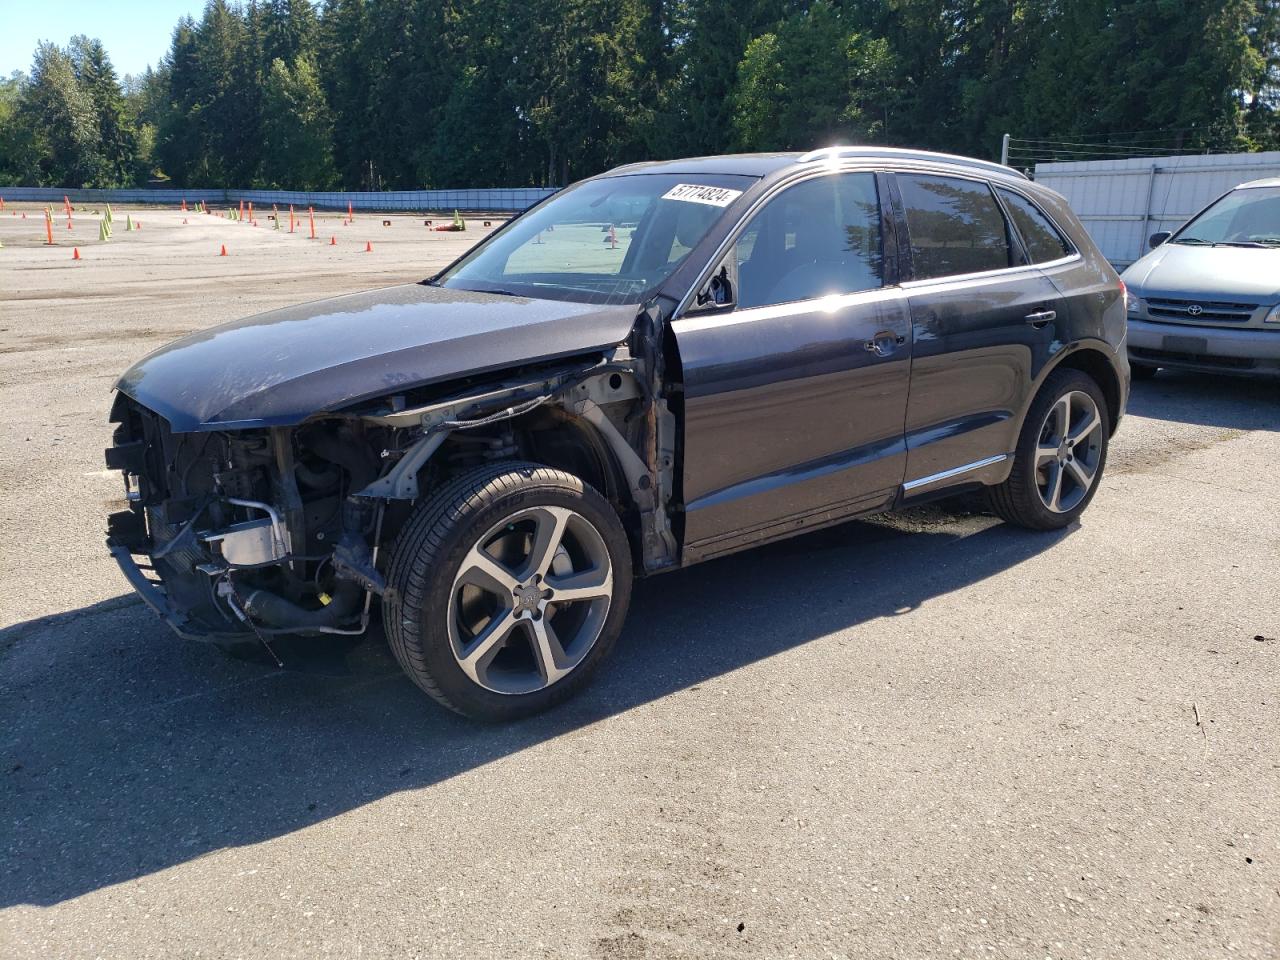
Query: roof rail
x=829, y=153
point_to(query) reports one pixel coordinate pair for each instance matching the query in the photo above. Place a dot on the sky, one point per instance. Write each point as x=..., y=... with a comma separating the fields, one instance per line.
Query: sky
x=135, y=32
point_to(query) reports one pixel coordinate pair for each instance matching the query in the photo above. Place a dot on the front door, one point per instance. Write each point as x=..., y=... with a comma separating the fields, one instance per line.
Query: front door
x=795, y=399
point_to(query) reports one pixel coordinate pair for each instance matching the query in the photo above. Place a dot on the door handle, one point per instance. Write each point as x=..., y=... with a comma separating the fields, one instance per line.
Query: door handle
x=883, y=343
x=1040, y=318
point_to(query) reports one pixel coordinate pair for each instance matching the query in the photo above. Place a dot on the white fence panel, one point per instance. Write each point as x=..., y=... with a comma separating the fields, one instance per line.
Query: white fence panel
x=1123, y=202
x=495, y=199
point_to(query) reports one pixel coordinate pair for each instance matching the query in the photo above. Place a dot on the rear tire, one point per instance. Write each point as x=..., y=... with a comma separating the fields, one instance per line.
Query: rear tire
x=478, y=611
x=1060, y=456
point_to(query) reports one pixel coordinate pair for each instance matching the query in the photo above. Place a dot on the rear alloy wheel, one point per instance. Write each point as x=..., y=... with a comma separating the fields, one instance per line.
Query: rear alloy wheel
x=1060, y=456
x=509, y=586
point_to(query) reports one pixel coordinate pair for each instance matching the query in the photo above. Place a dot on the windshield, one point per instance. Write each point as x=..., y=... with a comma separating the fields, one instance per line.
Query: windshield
x=604, y=241
x=1249, y=217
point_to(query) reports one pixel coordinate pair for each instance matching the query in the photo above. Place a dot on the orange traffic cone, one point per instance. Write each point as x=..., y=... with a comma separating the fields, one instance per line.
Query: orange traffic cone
x=224, y=251
x=75, y=253
x=333, y=241
x=368, y=246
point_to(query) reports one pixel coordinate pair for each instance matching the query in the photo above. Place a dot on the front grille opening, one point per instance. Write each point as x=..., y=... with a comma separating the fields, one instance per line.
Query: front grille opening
x=1211, y=311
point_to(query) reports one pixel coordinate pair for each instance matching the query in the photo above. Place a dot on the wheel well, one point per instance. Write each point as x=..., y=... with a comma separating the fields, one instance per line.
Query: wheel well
x=571, y=444
x=553, y=437
x=1095, y=364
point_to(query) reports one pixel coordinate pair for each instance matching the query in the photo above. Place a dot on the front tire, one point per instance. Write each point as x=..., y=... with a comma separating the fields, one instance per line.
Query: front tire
x=507, y=588
x=1060, y=456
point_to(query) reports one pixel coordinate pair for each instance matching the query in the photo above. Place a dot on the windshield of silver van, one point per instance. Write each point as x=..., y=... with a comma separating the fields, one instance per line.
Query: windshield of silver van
x=1248, y=217
x=604, y=241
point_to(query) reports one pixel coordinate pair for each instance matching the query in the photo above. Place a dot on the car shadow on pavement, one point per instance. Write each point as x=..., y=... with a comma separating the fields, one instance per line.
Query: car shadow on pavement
x=127, y=751
x=1234, y=403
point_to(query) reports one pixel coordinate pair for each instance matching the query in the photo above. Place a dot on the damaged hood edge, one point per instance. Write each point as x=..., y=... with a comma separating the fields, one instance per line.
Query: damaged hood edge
x=279, y=368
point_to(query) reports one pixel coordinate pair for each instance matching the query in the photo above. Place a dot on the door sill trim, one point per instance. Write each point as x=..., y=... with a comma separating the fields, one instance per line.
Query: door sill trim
x=953, y=472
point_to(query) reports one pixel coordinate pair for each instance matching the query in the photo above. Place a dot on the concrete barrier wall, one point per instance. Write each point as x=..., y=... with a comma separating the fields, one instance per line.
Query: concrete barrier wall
x=497, y=199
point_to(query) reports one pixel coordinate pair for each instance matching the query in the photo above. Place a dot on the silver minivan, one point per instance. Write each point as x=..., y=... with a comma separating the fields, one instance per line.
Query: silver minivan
x=1207, y=297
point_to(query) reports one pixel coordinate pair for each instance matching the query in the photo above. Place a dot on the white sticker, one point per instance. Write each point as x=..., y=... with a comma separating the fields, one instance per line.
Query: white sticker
x=697, y=193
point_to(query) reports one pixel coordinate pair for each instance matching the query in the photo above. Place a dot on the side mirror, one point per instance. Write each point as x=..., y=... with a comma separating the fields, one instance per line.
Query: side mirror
x=1159, y=238
x=717, y=292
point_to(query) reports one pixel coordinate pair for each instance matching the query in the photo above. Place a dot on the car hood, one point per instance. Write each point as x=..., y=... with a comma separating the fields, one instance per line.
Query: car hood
x=1184, y=272
x=278, y=368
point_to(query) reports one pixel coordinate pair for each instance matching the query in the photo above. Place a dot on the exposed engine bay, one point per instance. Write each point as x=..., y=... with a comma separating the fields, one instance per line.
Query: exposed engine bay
x=255, y=532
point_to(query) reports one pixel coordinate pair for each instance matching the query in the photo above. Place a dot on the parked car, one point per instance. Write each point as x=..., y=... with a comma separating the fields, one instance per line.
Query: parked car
x=1207, y=297
x=780, y=342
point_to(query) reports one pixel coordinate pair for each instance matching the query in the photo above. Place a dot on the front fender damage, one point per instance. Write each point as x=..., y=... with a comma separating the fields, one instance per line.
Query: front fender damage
x=255, y=533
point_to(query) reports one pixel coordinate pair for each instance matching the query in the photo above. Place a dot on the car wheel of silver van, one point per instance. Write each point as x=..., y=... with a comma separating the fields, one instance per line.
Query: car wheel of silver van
x=508, y=587
x=1060, y=456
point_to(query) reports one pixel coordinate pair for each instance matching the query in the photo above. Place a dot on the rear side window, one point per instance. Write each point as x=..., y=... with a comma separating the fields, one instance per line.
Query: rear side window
x=1041, y=238
x=956, y=226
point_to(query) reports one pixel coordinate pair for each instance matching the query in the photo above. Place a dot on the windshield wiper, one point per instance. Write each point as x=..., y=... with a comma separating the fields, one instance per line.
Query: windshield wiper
x=1199, y=241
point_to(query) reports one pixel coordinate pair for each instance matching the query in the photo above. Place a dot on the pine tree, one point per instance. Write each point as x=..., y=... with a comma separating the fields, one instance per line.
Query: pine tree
x=59, y=118
x=117, y=137
x=297, y=129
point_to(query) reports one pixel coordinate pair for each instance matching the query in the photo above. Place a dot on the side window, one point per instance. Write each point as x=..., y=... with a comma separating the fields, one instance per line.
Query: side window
x=817, y=238
x=956, y=226
x=1041, y=237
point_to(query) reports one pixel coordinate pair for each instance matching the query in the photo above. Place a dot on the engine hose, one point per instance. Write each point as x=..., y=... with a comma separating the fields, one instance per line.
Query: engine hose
x=279, y=612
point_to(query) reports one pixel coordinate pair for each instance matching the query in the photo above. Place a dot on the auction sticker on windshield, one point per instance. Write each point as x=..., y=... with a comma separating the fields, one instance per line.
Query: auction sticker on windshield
x=697, y=193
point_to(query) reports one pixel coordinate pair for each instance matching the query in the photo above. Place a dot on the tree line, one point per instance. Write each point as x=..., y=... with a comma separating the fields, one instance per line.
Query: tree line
x=402, y=94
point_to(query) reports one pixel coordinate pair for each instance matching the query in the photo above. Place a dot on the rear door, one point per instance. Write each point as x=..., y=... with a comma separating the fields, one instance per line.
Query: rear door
x=983, y=323
x=795, y=397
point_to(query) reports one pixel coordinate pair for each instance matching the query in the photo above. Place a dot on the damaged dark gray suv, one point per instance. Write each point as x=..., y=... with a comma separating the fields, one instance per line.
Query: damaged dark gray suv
x=659, y=365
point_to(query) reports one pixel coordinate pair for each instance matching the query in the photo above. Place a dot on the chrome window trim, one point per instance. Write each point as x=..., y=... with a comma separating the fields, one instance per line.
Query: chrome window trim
x=953, y=472
x=830, y=303
x=988, y=274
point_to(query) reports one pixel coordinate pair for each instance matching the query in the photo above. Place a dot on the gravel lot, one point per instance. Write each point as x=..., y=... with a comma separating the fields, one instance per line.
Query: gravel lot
x=926, y=736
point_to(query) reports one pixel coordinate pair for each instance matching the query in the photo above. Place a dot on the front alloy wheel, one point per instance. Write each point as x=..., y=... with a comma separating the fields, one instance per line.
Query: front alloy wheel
x=530, y=600
x=508, y=586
